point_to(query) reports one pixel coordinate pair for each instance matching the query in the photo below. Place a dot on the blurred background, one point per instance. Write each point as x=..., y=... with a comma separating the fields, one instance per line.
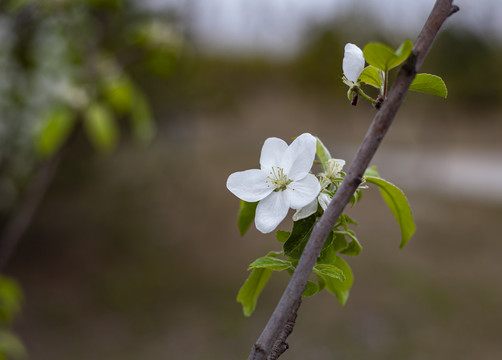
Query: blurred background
x=120, y=121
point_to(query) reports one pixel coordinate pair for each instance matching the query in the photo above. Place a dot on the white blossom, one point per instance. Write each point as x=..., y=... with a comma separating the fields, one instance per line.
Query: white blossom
x=353, y=63
x=282, y=182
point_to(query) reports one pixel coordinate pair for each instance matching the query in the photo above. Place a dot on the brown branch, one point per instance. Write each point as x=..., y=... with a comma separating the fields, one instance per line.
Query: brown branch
x=381, y=123
x=23, y=213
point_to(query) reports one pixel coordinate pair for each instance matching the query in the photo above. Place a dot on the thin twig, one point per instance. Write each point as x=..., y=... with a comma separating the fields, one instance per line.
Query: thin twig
x=381, y=123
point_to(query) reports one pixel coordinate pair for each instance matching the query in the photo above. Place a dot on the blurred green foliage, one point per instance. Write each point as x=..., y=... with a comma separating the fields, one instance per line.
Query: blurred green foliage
x=10, y=304
x=67, y=65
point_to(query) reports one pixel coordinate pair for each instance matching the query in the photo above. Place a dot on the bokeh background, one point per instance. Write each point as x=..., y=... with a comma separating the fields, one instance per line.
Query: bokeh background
x=133, y=250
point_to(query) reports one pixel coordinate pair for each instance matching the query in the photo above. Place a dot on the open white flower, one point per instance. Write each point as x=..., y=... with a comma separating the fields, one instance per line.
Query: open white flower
x=282, y=182
x=353, y=63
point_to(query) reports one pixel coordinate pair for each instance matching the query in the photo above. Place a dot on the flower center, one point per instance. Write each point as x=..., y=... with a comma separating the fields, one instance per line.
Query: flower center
x=278, y=179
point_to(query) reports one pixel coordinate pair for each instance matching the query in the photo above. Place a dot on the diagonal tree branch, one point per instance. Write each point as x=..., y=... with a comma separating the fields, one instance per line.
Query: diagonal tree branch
x=382, y=121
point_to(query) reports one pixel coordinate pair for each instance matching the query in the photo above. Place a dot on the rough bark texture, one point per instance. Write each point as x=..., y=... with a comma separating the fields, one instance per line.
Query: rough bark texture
x=289, y=302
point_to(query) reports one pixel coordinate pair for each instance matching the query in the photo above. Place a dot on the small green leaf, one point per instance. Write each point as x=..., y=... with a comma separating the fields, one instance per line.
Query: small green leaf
x=338, y=288
x=323, y=154
x=429, y=84
x=339, y=241
x=327, y=252
x=399, y=206
x=384, y=58
x=330, y=271
x=354, y=248
x=272, y=263
x=119, y=93
x=371, y=171
x=300, y=234
x=252, y=288
x=371, y=77
x=101, y=127
x=10, y=299
x=282, y=236
x=57, y=125
x=245, y=216
x=321, y=283
x=310, y=289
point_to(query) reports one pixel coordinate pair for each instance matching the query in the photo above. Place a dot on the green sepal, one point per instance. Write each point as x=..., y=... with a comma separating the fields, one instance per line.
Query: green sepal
x=268, y=262
x=57, y=125
x=370, y=76
x=384, y=58
x=323, y=154
x=429, y=84
x=245, y=216
x=282, y=235
x=311, y=288
x=398, y=205
x=299, y=237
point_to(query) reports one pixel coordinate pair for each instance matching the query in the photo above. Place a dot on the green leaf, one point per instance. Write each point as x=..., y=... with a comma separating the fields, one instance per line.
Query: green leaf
x=327, y=252
x=272, y=263
x=371, y=171
x=10, y=299
x=339, y=241
x=330, y=271
x=370, y=76
x=310, y=289
x=119, y=93
x=57, y=125
x=245, y=216
x=399, y=206
x=282, y=236
x=10, y=346
x=384, y=58
x=300, y=234
x=429, y=84
x=101, y=127
x=339, y=288
x=354, y=248
x=252, y=288
x=323, y=154
x=143, y=125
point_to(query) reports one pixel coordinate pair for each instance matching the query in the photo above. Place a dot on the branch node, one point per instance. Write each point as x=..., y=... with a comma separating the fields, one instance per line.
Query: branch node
x=453, y=10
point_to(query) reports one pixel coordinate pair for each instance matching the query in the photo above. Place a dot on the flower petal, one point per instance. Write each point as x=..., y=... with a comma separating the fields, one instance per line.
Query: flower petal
x=305, y=211
x=303, y=191
x=353, y=62
x=271, y=152
x=299, y=157
x=249, y=185
x=271, y=211
x=324, y=200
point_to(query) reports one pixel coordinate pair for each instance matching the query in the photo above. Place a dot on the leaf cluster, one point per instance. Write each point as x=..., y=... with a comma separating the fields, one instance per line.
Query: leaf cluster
x=382, y=59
